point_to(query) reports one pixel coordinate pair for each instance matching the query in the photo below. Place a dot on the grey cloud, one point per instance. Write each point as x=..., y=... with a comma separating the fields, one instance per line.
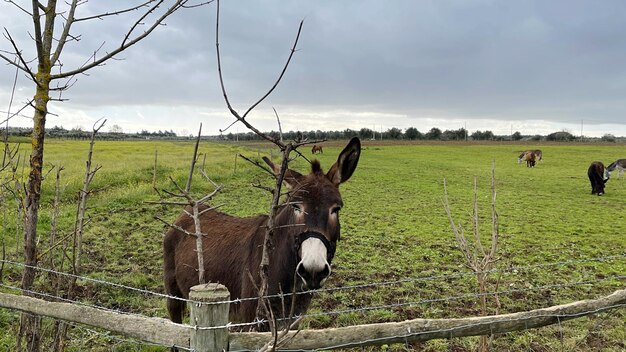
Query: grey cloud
x=557, y=60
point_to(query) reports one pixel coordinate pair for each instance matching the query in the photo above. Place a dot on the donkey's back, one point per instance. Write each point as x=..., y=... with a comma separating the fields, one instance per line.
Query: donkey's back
x=228, y=249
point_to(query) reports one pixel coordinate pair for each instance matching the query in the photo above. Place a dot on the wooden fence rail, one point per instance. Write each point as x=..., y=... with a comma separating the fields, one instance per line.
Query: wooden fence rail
x=164, y=332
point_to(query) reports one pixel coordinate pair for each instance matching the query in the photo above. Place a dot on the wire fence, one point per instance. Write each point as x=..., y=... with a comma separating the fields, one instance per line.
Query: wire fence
x=359, y=309
x=439, y=277
x=409, y=334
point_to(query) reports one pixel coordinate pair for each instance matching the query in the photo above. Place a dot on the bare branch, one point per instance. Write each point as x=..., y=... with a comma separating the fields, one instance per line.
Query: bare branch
x=127, y=41
x=242, y=118
x=66, y=32
x=19, y=7
x=282, y=73
x=476, y=258
x=280, y=129
x=211, y=195
x=24, y=67
x=206, y=177
x=193, y=160
x=18, y=113
x=265, y=188
x=258, y=164
x=166, y=202
x=114, y=13
x=38, y=39
x=494, y=213
x=196, y=5
x=6, y=132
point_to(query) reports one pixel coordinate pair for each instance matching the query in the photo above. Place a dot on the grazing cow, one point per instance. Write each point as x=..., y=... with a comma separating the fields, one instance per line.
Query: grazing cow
x=619, y=164
x=598, y=176
x=306, y=231
x=317, y=149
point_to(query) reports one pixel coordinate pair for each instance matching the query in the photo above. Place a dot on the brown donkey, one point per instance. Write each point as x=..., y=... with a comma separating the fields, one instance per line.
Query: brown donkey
x=536, y=153
x=530, y=158
x=317, y=149
x=306, y=232
x=598, y=176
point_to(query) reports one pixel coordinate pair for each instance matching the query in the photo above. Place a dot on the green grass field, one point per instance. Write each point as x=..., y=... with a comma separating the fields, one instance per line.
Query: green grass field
x=394, y=228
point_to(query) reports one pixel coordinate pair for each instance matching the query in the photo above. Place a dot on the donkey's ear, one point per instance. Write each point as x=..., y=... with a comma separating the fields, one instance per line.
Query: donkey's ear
x=291, y=177
x=346, y=162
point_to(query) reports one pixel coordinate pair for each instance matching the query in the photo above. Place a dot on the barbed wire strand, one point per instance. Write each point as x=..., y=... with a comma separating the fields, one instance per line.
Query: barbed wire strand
x=409, y=334
x=462, y=297
x=103, y=282
x=112, y=336
x=354, y=310
x=117, y=311
x=513, y=269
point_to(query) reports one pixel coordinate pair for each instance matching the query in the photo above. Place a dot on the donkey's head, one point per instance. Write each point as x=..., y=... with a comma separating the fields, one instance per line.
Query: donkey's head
x=606, y=174
x=312, y=211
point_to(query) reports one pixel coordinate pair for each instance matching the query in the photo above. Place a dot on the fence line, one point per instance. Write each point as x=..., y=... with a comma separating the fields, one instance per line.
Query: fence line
x=427, y=329
x=166, y=333
x=86, y=278
x=108, y=335
x=359, y=309
x=117, y=311
x=353, y=310
x=163, y=332
x=466, y=296
x=334, y=289
x=156, y=330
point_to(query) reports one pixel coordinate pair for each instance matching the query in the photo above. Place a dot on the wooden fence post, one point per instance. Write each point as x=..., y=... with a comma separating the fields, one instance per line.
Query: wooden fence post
x=209, y=315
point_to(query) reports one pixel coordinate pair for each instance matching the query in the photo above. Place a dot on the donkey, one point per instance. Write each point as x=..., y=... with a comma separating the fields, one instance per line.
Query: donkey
x=598, y=176
x=306, y=231
x=317, y=149
x=536, y=152
x=619, y=164
x=530, y=158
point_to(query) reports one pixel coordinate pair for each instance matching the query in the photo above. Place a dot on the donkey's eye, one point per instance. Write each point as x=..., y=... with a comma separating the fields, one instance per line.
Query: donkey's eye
x=297, y=208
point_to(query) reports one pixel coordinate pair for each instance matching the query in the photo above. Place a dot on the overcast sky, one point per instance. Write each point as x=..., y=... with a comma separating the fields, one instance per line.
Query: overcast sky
x=530, y=66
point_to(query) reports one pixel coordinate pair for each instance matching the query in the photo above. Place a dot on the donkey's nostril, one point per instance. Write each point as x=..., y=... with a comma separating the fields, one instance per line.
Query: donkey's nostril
x=313, y=280
x=301, y=270
x=325, y=272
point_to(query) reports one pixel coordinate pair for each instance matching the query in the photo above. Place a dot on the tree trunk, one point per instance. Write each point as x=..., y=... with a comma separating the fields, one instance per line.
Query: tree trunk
x=29, y=325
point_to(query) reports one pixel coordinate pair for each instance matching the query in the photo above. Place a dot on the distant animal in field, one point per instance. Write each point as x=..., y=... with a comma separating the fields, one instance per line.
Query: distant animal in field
x=306, y=232
x=538, y=154
x=317, y=149
x=619, y=165
x=598, y=176
x=530, y=158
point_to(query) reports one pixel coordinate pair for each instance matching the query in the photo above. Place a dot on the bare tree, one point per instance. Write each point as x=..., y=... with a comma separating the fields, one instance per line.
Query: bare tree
x=116, y=129
x=84, y=193
x=187, y=198
x=478, y=258
x=286, y=148
x=49, y=45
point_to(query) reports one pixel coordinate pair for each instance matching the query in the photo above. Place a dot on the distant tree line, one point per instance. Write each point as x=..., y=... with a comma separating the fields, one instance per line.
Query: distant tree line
x=114, y=133
x=412, y=133
x=434, y=134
